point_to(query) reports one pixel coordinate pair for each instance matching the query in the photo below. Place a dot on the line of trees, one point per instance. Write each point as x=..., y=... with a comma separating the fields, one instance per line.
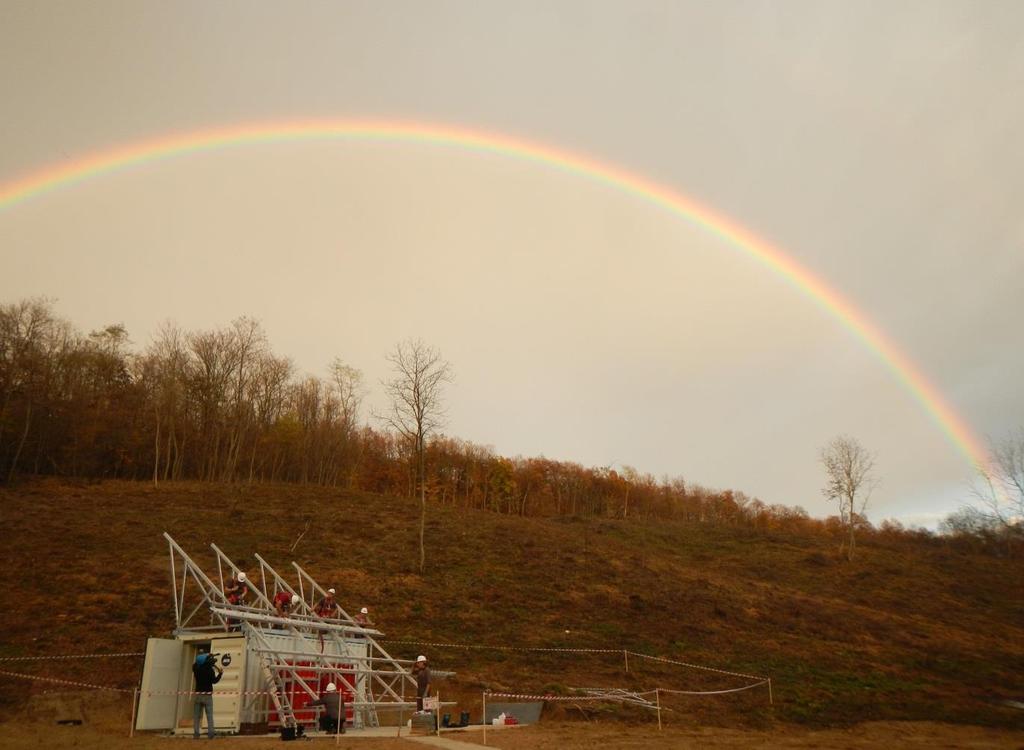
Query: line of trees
x=221, y=406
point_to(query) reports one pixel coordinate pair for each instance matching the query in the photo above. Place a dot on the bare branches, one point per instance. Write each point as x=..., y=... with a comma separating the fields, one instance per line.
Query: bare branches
x=417, y=408
x=849, y=480
x=999, y=491
x=298, y=539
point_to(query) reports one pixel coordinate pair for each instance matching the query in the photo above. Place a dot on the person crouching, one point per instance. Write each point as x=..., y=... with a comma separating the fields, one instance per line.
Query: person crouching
x=333, y=718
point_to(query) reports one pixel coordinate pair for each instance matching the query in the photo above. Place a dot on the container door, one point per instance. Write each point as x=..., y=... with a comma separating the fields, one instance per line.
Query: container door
x=161, y=673
x=227, y=707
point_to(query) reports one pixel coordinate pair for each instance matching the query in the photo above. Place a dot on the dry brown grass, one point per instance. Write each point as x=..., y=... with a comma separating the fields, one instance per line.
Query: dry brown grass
x=909, y=631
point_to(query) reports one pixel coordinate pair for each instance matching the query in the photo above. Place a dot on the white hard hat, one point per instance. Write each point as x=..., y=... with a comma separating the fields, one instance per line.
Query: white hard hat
x=331, y=687
x=364, y=611
x=421, y=657
x=295, y=598
x=241, y=576
x=330, y=591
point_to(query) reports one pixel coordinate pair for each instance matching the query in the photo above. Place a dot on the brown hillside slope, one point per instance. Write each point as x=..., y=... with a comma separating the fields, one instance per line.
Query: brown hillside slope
x=907, y=632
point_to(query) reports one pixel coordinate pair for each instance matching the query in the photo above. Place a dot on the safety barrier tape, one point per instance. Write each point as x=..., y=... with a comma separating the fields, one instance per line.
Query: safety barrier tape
x=624, y=698
x=577, y=651
x=506, y=648
x=76, y=683
x=525, y=696
x=697, y=666
x=714, y=692
x=71, y=656
x=73, y=683
x=436, y=644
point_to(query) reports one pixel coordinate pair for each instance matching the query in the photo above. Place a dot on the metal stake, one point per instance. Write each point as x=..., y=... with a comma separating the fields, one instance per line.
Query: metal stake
x=341, y=718
x=135, y=702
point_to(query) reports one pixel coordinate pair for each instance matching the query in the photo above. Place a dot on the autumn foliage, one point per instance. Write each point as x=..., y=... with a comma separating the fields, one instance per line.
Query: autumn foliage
x=221, y=406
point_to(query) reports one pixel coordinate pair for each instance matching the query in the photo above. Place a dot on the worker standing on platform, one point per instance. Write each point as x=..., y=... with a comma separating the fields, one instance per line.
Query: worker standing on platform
x=421, y=673
x=235, y=589
x=235, y=592
x=327, y=607
x=363, y=620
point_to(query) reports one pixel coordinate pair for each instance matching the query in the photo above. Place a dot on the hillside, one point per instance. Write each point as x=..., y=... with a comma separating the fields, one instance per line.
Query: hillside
x=912, y=630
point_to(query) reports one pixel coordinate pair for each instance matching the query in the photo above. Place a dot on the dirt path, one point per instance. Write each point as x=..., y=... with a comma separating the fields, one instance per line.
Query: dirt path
x=15, y=736
x=871, y=735
x=105, y=721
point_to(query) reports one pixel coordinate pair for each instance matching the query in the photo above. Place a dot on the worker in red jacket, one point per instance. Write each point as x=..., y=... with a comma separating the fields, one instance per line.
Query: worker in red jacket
x=284, y=603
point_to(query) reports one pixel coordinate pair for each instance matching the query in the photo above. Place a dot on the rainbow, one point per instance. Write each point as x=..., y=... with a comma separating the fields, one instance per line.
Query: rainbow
x=903, y=368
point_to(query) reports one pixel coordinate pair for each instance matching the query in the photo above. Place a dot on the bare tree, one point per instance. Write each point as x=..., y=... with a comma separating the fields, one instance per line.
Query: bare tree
x=249, y=344
x=162, y=373
x=347, y=383
x=849, y=480
x=417, y=409
x=999, y=493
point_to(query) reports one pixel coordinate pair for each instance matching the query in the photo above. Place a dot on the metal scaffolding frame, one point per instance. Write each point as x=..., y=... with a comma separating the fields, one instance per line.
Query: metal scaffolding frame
x=337, y=646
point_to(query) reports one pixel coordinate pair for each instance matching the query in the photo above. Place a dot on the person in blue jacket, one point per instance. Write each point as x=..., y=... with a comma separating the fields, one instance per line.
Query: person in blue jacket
x=207, y=674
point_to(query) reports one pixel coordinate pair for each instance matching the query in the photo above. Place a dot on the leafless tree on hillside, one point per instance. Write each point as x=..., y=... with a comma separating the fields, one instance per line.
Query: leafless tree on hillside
x=249, y=345
x=417, y=408
x=849, y=480
x=163, y=373
x=267, y=390
x=999, y=492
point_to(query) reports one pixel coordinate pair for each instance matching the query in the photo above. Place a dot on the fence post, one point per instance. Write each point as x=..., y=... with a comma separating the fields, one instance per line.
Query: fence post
x=625, y=656
x=484, y=717
x=135, y=702
x=401, y=711
x=657, y=699
x=341, y=717
x=771, y=698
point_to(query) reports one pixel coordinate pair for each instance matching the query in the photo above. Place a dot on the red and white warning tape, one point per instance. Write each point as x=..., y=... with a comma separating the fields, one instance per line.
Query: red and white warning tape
x=93, y=686
x=73, y=683
x=70, y=656
x=578, y=651
x=697, y=666
x=526, y=696
x=760, y=679
x=519, y=696
x=714, y=692
x=504, y=648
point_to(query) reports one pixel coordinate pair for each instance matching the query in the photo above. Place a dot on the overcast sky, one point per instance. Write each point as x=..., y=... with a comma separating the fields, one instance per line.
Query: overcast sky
x=879, y=144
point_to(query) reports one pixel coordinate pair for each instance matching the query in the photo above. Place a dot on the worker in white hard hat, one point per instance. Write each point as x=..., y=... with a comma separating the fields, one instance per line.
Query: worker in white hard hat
x=236, y=588
x=235, y=591
x=327, y=606
x=363, y=618
x=333, y=701
x=421, y=672
x=285, y=603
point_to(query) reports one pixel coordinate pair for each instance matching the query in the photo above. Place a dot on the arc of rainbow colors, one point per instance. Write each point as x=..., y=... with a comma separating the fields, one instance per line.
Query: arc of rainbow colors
x=907, y=373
